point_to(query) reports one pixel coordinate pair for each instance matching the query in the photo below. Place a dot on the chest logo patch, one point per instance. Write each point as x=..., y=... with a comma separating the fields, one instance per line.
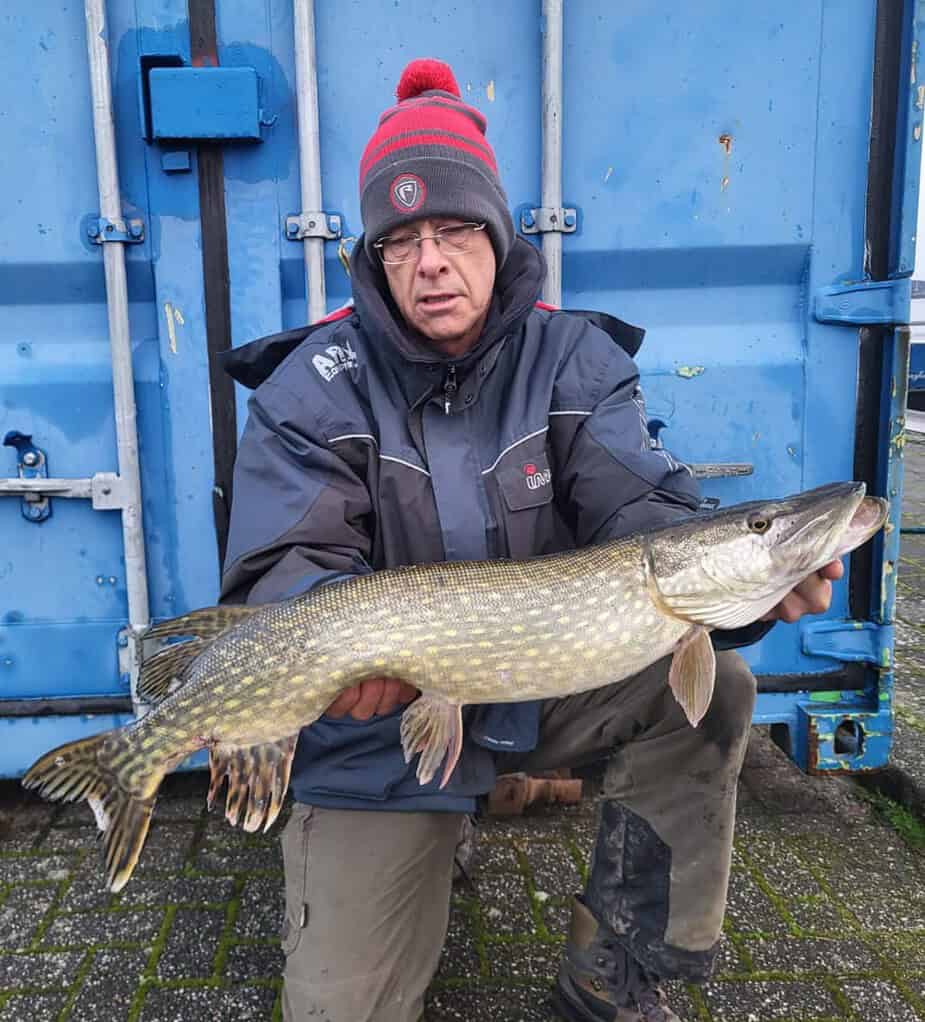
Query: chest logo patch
x=536, y=478
x=335, y=360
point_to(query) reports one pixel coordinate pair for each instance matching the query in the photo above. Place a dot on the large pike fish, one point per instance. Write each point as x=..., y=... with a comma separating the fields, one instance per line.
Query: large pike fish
x=462, y=632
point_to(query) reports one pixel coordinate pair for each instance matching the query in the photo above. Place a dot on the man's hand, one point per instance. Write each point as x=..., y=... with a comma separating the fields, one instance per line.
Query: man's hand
x=812, y=596
x=375, y=696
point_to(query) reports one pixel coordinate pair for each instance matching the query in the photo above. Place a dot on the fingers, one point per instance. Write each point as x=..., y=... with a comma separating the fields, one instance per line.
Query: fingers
x=375, y=697
x=811, y=596
x=370, y=695
x=345, y=702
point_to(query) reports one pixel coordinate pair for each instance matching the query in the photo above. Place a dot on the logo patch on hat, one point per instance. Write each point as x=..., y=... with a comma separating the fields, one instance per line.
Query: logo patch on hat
x=407, y=193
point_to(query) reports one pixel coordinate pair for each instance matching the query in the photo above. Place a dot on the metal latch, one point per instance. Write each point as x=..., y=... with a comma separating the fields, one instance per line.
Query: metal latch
x=547, y=219
x=848, y=641
x=865, y=303
x=314, y=224
x=128, y=231
x=32, y=464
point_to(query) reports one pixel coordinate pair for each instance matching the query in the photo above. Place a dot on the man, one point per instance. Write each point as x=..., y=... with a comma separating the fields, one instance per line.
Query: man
x=446, y=417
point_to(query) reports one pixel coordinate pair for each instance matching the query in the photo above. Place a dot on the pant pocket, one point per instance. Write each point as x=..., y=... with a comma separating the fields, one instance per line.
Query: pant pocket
x=295, y=870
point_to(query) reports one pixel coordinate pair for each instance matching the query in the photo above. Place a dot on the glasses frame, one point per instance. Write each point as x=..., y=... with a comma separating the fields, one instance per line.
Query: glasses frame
x=416, y=239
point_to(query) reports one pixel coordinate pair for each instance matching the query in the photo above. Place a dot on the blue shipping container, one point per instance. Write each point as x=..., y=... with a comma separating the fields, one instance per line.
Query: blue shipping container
x=743, y=182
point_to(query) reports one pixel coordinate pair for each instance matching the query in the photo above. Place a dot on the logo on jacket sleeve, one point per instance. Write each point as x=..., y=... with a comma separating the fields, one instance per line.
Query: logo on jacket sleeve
x=535, y=477
x=335, y=360
x=407, y=193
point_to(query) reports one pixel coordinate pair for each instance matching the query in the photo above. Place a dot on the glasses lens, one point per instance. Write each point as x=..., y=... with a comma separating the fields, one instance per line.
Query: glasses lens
x=456, y=238
x=396, y=250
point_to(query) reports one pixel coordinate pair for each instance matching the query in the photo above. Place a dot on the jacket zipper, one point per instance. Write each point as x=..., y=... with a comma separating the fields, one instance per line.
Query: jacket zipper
x=449, y=388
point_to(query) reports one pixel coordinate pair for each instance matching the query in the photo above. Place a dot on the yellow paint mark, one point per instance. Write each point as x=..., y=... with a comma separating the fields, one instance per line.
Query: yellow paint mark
x=689, y=372
x=490, y=91
x=171, y=328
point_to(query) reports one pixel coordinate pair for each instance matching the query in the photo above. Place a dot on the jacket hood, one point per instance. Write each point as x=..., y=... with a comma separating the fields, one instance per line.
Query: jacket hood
x=517, y=287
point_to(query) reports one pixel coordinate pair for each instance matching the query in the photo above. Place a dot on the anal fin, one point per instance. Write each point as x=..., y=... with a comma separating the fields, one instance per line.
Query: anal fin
x=258, y=777
x=432, y=726
x=693, y=673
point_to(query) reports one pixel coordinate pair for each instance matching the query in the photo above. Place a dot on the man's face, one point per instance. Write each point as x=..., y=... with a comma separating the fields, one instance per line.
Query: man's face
x=444, y=295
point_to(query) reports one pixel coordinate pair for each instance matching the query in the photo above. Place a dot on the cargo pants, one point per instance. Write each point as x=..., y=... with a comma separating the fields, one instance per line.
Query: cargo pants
x=368, y=892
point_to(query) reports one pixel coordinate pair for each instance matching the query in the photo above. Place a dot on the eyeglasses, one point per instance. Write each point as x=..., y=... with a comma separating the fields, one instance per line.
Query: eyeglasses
x=400, y=248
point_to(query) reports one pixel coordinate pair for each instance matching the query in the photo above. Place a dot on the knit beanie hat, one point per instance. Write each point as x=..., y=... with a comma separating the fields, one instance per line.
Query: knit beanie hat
x=429, y=158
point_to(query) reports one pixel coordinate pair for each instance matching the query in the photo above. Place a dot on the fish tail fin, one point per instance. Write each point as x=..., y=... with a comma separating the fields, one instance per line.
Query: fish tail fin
x=86, y=769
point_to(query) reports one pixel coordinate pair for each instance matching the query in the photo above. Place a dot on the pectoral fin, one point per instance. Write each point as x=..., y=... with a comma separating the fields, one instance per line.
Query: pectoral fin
x=693, y=673
x=432, y=726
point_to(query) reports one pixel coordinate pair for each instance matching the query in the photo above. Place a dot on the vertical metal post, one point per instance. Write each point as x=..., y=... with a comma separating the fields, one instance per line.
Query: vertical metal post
x=123, y=384
x=306, y=76
x=552, y=144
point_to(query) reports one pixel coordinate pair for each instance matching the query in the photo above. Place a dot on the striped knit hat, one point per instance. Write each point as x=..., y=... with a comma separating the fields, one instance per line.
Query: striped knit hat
x=429, y=158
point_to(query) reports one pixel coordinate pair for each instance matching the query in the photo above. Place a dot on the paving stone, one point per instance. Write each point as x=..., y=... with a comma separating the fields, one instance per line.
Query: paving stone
x=552, y=867
x=92, y=929
x=23, y=910
x=748, y=909
x=166, y=849
x=253, y=961
x=533, y=962
x=192, y=944
x=505, y=907
x=460, y=958
x=906, y=955
x=798, y=955
x=29, y=868
x=781, y=867
x=261, y=908
x=34, y=1007
x=176, y=890
x=235, y=851
x=508, y=1004
x=238, y=1003
x=754, y=1001
x=818, y=917
x=88, y=889
x=557, y=918
x=109, y=987
x=879, y=1000
x=48, y=969
x=494, y=857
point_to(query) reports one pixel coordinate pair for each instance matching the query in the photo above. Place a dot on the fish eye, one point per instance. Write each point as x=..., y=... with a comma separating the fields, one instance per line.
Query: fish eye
x=757, y=523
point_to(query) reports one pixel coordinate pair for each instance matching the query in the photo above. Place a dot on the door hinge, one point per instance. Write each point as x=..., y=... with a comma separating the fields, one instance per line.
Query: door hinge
x=548, y=219
x=865, y=303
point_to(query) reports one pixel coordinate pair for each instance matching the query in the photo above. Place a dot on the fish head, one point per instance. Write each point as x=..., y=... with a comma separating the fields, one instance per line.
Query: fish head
x=728, y=568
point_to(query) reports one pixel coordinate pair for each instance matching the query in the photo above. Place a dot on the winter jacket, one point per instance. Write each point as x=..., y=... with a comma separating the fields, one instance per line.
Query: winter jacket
x=366, y=450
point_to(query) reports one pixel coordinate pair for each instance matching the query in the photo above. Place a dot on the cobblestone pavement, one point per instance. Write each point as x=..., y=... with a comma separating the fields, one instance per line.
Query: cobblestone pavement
x=826, y=915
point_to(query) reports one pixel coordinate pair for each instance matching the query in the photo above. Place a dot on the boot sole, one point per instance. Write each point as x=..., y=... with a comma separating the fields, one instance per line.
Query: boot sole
x=566, y=1011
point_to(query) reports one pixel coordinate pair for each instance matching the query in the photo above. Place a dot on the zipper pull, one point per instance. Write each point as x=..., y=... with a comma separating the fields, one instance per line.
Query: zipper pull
x=449, y=388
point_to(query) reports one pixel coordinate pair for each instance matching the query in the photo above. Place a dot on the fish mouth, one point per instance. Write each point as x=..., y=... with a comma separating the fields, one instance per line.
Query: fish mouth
x=868, y=518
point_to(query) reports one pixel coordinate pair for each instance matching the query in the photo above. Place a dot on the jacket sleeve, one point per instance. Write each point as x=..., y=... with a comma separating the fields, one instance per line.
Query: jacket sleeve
x=300, y=515
x=612, y=482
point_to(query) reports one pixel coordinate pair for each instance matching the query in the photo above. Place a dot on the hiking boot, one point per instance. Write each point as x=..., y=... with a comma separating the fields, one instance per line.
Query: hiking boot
x=600, y=981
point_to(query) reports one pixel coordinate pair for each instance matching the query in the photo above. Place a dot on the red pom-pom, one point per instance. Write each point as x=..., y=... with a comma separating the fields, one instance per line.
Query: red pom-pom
x=423, y=75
